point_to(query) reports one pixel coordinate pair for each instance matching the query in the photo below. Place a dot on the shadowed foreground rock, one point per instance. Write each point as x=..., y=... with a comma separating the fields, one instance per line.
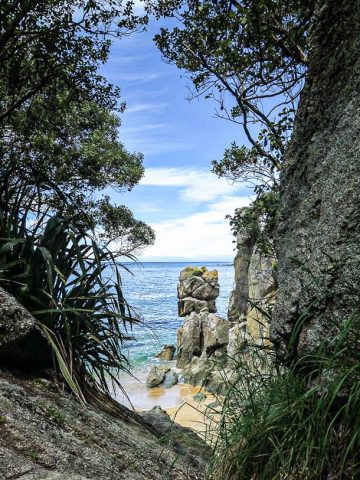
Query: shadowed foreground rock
x=21, y=342
x=47, y=435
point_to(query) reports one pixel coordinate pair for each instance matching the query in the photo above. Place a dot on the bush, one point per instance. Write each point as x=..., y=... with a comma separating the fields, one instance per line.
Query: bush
x=70, y=285
x=297, y=423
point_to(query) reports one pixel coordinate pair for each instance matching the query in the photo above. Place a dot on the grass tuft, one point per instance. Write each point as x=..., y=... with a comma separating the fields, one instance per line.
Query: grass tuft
x=296, y=423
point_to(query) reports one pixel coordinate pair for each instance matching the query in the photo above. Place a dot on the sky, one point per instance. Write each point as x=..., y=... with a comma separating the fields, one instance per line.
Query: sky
x=179, y=197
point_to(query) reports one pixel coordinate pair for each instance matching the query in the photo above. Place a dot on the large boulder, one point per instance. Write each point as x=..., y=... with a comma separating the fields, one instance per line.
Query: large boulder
x=156, y=375
x=319, y=234
x=171, y=378
x=167, y=353
x=186, y=440
x=45, y=434
x=22, y=344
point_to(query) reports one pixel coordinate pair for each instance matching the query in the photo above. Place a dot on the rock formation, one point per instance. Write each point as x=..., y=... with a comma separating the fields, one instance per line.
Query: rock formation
x=198, y=288
x=161, y=376
x=167, y=353
x=203, y=336
x=21, y=343
x=319, y=234
x=254, y=290
x=46, y=434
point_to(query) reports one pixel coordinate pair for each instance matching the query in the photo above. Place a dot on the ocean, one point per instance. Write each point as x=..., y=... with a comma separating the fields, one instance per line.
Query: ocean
x=151, y=289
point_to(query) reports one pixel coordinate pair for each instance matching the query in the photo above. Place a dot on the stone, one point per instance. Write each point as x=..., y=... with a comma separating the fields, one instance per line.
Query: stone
x=167, y=353
x=215, y=332
x=206, y=292
x=319, y=233
x=197, y=289
x=238, y=302
x=186, y=440
x=196, y=371
x=188, y=305
x=22, y=344
x=171, y=378
x=156, y=375
x=46, y=434
x=189, y=339
x=237, y=337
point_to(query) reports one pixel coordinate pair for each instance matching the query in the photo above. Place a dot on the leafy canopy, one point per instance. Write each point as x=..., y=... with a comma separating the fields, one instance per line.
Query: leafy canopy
x=250, y=58
x=59, y=117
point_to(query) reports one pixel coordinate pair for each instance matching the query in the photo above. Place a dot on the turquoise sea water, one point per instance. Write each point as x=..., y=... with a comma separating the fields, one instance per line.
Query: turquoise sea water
x=152, y=290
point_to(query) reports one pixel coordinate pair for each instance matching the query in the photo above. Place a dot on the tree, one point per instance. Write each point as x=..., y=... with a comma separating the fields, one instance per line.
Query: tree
x=43, y=42
x=250, y=57
x=75, y=147
x=59, y=118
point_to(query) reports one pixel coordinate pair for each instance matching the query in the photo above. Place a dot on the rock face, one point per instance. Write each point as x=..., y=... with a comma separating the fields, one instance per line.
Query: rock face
x=254, y=291
x=21, y=342
x=203, y=337
x=184, y=439
x=198, y=288
x=46, y=435
x=167, y=353
x=238, y=304
x=319, y=235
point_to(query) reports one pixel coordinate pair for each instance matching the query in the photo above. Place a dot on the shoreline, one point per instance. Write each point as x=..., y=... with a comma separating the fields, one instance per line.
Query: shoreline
x=178, y=401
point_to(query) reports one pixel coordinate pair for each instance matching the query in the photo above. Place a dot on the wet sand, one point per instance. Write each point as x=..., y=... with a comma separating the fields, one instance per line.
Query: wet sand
x=178, y=401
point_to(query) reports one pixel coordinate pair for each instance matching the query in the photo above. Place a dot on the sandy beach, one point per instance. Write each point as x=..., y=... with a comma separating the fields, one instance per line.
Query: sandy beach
x=187, y=405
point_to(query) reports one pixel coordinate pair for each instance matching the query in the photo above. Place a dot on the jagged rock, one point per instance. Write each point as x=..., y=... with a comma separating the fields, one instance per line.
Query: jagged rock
x=171, y=378
x=319, y=233
x=189, y=339
x=188, y=305
x=21, y=343
x=45, y=434
x=167, y=353
x=198, y=288
x=215, y=332
x=156, y=375
x=237, y=337
x=239, y=298
x=196, y=371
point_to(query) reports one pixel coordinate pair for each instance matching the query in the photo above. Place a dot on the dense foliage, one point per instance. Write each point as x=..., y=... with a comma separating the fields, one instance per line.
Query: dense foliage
x=59, y=117
x=68, y=282
x=59, y=152
x=300, y=423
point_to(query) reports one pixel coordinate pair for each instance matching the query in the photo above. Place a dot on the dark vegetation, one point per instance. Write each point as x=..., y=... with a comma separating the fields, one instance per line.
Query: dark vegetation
x=59, y=149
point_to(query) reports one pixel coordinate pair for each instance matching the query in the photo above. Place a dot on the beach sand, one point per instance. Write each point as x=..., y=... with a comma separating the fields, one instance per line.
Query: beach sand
x=199, y=413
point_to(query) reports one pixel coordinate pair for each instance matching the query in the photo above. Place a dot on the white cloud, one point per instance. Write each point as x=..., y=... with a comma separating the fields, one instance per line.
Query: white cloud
x=195, y=185
x=145, y=107
x=202, y=236
x=136, y=78
x=143, y=128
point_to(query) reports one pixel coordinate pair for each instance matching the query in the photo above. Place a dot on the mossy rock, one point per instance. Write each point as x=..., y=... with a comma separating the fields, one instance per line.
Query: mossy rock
x=192, y=272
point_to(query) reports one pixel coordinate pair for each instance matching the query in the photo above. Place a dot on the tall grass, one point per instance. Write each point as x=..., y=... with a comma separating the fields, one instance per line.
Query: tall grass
x=70, y=284
x=301, y=422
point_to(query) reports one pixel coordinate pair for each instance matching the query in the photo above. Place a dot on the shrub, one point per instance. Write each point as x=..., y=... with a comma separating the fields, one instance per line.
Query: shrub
x=70, y=284
x=301, y=422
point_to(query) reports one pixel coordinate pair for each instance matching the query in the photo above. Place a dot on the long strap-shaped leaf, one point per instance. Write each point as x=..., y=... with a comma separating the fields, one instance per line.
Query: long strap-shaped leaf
x=51, y=337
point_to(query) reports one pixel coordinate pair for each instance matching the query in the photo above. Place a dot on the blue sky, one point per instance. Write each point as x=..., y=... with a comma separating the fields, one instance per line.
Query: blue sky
x=179, y=196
